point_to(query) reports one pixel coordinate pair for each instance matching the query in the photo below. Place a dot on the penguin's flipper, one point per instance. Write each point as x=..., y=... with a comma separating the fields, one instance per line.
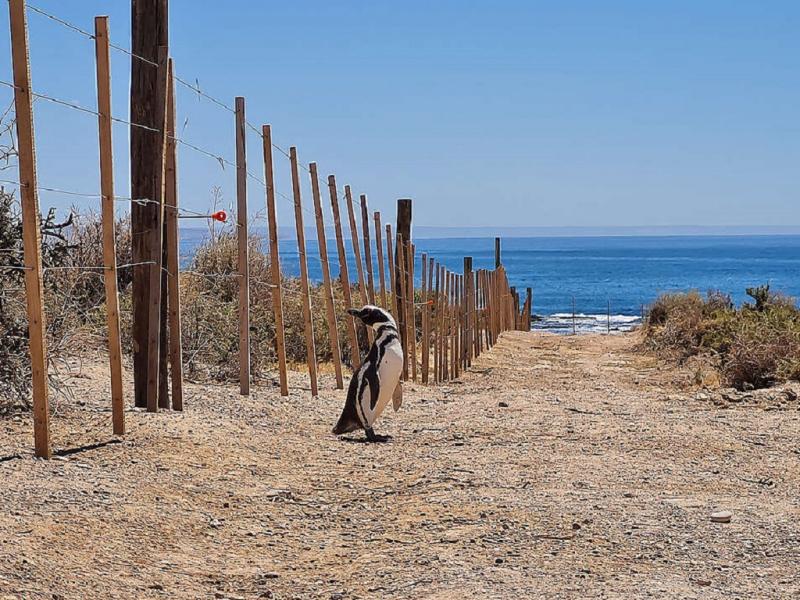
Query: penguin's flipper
x=397, y=397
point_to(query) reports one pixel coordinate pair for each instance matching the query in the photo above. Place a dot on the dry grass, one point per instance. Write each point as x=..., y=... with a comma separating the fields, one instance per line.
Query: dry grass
x=756, y=345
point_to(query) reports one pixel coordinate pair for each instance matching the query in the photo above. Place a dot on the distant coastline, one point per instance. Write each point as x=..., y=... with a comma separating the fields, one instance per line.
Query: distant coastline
x=433, y=232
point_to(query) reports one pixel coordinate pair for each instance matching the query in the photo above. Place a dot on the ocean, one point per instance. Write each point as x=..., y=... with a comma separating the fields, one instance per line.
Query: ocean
x=608, y=280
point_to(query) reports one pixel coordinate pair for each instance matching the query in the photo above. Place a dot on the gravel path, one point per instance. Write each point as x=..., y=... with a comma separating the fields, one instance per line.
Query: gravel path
x=558, y=467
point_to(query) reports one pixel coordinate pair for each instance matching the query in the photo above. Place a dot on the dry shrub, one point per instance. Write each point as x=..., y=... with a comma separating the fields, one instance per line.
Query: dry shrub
x=757, y=344
x=209, y=302
x=73, y=296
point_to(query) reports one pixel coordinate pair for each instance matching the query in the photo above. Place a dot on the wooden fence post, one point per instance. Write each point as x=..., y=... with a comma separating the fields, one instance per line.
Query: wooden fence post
x=172, y=251
x=31, y=232
x=392, y=278
x=403, y=229
x=362, y=288
x=333, y=332
x=469, y=308
x=311, y=355
x=355, y=351
x=424, y=305
x=103, y=72
x=446, y=338
x=149, y=31
x=157, y=240
x=412, y=316
x=402, y=317
x=528, y=308
x=275, y=265
x=379, y=251
x=459, y=323
x=367, y=248
x=243, y=249
x=429, y=308
x=437, y=315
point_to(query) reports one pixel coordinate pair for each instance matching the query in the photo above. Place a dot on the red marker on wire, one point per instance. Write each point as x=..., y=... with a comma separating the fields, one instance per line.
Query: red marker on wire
x=220, y=216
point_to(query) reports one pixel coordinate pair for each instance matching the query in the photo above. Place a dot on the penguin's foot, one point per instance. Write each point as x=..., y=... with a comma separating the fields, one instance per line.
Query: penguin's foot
x=374, y=437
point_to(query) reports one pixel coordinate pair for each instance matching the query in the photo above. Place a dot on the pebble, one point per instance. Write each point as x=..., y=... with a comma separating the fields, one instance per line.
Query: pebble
x=502, y=404
x=722, y=516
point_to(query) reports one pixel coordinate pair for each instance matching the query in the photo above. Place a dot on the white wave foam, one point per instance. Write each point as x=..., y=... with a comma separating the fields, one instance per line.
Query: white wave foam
x=564, y=323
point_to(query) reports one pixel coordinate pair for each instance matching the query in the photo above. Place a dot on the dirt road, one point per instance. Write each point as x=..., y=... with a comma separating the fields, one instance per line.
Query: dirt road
x=559, y=467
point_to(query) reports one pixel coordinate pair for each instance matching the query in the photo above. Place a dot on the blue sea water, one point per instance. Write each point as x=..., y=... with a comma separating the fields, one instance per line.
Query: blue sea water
x=601, y=274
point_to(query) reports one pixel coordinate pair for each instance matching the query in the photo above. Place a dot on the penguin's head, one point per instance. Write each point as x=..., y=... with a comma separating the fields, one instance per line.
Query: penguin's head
x=372, y=316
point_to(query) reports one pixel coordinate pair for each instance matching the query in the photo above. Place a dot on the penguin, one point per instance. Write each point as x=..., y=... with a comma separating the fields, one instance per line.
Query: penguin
x=377, y=380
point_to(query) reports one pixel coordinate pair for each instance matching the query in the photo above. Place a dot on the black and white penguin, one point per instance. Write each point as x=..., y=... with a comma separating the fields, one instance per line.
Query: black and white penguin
x=377, y=380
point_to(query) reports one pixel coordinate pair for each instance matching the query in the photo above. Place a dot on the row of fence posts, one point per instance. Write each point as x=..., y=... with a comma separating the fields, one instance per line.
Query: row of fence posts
x=451, y=318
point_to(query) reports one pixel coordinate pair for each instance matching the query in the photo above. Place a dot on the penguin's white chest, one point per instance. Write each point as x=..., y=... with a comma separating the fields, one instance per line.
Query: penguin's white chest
x=389, y=371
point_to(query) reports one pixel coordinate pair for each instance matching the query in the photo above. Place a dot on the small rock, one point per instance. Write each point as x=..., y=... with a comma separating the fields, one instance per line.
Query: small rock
x=722, y=516
x=502, y=404
x=498, y=561
x=576, y=526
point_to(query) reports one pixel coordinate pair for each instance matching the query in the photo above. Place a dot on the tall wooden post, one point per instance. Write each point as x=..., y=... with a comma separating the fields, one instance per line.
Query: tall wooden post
x=381, y=266
x=243, y=253
x=392, y=278
x=403, y=230
x=149, y=31
x=348, y=196
x=102, y=63
x=469, y=310
x=411, y=324
x=333, y=332
x=274, y=258
x=172, y=247
x=402, y=282
x=154, y=330
x=311, y=355
x=355, y=352
x=437, y=317
x=528, y=308
x=497, y=261
x=367, y=248
x=425, y=334
x=31, y=232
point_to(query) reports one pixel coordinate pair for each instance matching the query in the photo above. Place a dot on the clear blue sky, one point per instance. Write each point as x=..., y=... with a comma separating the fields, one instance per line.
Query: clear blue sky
x=486, y=113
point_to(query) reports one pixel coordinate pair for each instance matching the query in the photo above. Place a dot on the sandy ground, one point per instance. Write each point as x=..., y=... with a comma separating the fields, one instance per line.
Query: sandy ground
x=558, y=467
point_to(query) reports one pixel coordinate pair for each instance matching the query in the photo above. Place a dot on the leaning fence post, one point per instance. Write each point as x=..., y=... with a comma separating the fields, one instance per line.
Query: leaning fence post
x=243, y=254
x=355, y=351
x=392, y=274
x=367, y=248
x=275, y=264
x=311, y=355
x=172, y=246
x=109, y=242
x=362, y=287
x=31, y=235
x=333, y=332
x=379, y=251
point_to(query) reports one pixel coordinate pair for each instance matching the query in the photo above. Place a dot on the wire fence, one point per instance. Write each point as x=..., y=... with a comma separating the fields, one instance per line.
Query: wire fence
x=452, y=323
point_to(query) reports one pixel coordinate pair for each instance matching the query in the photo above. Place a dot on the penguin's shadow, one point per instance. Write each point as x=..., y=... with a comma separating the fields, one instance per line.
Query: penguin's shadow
x=379, y=439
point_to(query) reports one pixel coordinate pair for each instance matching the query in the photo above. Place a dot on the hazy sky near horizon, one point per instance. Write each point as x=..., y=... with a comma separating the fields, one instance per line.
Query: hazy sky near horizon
x=504, y=113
